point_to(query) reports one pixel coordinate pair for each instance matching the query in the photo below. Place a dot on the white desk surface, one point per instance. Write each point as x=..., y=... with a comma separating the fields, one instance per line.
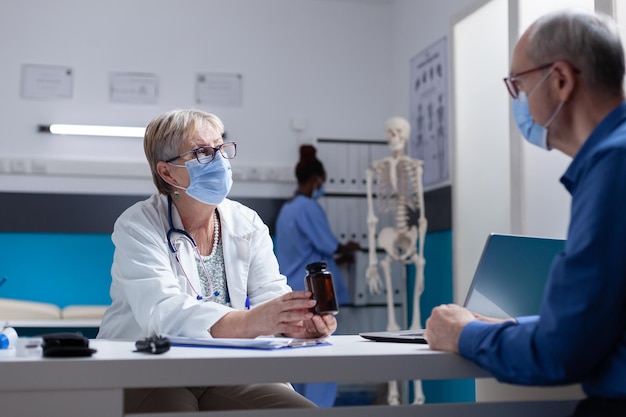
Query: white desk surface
x=115, y=366
x=347, y=359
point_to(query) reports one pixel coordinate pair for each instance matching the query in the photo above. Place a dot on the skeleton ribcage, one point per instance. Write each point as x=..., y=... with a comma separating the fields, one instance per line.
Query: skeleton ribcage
x=404, y=197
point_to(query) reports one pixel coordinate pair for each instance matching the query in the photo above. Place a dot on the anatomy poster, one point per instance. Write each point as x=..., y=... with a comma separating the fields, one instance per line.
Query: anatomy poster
x=429, y=113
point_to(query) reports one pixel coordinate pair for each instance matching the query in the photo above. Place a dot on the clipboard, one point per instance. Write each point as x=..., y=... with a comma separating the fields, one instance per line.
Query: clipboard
x=261, y=342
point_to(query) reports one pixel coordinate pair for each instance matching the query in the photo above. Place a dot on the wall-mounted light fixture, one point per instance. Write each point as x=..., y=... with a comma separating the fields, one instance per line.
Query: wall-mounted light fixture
x=91, y=130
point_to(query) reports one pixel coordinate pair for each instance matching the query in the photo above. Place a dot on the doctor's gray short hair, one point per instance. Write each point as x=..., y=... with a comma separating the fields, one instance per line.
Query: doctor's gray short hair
x=167, y=135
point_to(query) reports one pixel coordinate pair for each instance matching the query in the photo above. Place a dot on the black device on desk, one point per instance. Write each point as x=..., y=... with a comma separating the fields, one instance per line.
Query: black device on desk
x=56, y=345
x=153, y=345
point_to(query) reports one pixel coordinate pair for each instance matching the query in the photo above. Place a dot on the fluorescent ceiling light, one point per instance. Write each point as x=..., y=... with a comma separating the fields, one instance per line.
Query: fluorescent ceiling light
x=91, y=130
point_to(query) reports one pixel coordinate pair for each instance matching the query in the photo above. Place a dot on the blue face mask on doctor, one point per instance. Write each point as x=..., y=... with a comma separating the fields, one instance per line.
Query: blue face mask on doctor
x=209, y=183
x=531, y=130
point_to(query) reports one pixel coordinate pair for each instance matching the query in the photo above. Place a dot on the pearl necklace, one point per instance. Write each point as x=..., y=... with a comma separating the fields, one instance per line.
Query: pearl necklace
x=216, y=232
x=216, y=238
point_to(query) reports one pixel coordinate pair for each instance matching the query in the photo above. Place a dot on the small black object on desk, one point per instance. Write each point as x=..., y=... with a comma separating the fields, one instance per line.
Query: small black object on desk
x=57, y=345
x=153, y=345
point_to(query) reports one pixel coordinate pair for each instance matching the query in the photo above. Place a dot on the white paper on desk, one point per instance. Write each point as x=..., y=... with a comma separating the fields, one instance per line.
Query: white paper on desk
x=262, y=342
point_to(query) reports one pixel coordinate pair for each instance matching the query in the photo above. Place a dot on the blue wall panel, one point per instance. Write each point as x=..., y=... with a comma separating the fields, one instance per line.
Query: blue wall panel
x=57, y=268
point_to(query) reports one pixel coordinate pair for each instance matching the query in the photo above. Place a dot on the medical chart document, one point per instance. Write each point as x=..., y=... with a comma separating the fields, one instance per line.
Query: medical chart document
x=261, y=342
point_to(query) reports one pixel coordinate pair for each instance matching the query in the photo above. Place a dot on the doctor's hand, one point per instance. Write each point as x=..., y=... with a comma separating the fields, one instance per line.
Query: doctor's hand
x=285, y=314
x=444, y=327
x=317, y=326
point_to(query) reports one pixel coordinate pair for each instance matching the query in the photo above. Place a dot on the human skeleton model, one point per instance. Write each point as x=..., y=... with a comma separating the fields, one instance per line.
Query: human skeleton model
x=399, y=189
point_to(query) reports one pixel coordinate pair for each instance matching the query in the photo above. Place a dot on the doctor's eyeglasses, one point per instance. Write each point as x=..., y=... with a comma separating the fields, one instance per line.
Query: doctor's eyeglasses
x=206, y=154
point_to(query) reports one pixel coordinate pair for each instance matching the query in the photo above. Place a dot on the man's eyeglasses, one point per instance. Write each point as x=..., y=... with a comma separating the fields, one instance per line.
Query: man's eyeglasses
x=511, y=80
x=206, y=154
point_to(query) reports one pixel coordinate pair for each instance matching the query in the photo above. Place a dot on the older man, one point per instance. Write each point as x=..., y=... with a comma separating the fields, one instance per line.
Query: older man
x=566, y=83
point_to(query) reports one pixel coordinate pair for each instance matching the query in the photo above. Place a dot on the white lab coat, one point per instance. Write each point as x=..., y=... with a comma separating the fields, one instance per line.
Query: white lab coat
x=150, y=294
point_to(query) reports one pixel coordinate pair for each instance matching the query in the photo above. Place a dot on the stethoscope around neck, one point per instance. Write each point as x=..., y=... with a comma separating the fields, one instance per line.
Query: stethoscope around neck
x=185, y=235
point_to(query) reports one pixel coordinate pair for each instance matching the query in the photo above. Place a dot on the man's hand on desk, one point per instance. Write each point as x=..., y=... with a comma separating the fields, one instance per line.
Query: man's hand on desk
x=491, y=320
x=444, y=327
x=446, y=322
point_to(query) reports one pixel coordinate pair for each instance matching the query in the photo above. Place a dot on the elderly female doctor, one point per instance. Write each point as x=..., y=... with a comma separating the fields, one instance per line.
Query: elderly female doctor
x=190, y=262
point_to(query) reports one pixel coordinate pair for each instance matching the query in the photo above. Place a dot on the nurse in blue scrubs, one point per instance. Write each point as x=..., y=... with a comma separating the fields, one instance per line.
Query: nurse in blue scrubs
x=303, y=235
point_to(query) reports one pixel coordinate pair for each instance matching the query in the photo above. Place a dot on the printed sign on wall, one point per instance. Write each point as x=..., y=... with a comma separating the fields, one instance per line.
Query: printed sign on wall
x=46, y=81
x=429, y=114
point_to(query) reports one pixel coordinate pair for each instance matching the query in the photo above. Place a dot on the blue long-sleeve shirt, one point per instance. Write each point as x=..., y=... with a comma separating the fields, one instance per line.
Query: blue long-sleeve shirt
x=580, y=333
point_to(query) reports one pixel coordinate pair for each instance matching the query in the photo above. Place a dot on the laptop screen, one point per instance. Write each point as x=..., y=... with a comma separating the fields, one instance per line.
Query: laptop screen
x=511, y=275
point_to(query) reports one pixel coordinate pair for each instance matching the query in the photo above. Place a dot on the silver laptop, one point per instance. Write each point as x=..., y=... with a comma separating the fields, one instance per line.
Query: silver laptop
x=508, y=282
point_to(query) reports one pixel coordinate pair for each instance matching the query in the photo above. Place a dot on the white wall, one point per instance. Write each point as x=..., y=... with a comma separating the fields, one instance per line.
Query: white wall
x=482, y=169
x=342, y=66
x=325, y=62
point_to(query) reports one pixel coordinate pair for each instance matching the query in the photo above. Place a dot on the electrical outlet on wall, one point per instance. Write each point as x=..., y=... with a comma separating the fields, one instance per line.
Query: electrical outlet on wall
x=19, y=166
x=255, y=174
x=265, y=174
x=38, y=166
x=272, y=174
x=286, y=174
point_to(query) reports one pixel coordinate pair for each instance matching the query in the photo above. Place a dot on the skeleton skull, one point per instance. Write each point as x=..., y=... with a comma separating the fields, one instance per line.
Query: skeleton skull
x=398, y=130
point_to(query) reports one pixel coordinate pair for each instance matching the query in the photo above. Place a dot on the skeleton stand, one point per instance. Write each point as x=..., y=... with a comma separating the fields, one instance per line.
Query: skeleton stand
x=399, y=187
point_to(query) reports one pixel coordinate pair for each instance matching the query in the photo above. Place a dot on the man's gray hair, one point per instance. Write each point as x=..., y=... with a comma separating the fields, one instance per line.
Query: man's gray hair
x=587, y=41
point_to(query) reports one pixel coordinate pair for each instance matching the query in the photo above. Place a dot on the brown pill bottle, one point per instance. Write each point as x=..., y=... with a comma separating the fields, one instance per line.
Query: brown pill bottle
x=320, y=282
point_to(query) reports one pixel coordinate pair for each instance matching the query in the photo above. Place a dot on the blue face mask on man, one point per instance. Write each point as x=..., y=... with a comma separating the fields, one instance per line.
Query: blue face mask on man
x=210, y=183
x=531, y=130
